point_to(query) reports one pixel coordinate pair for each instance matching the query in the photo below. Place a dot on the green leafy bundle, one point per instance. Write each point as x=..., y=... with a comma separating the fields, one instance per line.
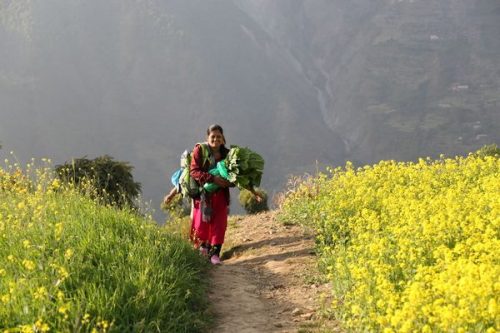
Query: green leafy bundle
x=242, y=167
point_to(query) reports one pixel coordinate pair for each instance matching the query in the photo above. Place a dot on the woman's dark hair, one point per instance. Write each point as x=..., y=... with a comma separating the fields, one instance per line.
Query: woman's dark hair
x=216, y=127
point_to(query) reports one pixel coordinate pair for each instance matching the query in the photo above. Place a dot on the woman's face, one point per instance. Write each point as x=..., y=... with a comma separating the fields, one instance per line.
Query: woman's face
x=215, y=139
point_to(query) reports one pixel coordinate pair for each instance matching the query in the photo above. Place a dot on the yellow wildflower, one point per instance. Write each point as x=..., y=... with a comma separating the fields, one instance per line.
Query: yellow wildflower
x=26, y=329
x=41, y=326
x=68, y=254
x=56, y=184
x=64, y=309
x=63, y=273
x=40, y=293
x=30, y=265
x=85, y=319
x=5, y=298
x=58, y=228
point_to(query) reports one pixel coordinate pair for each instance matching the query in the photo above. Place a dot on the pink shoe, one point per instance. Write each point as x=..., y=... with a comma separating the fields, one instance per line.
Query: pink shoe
x=215, y=260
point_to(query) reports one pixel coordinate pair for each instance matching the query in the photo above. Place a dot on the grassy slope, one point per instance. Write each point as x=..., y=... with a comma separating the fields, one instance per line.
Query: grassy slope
x=67, y=264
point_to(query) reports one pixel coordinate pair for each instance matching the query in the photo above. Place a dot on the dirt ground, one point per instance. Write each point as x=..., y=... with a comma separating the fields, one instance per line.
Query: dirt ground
x=268, y=281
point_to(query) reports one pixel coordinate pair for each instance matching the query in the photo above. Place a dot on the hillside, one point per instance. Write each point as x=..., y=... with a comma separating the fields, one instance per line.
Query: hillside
x=142, y=80
x=297, y=81
x=397, y=79
x=69, y=264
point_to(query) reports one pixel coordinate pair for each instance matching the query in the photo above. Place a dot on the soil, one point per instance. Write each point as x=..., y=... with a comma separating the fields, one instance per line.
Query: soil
x=268, y=280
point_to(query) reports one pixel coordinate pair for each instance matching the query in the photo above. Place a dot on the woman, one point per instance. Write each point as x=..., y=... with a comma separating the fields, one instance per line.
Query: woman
x=209, y=215
x=209, y=212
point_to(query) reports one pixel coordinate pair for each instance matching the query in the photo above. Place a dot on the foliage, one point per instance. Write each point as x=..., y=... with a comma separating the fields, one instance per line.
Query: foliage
x=408, y=246
x=244, y=167
x=250, y=204
x=488, y=150
x=68, y=264
x=112, y=179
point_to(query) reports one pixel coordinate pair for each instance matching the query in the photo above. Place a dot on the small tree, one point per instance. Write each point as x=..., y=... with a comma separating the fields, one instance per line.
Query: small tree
x=112, y=180
x=250, y=204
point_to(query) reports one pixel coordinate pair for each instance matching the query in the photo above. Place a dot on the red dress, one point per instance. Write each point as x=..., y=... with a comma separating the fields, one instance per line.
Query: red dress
x=211, y=232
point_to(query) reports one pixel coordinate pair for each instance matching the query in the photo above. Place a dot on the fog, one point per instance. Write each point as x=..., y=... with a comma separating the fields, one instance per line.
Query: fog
x=304, y=83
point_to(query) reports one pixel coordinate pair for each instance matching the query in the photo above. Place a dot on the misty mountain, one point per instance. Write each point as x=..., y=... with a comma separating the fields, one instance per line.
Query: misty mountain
x=396, y=78
x=300, y=82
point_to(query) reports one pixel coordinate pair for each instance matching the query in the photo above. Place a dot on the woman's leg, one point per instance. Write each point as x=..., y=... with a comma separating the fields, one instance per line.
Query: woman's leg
x=215, y=254
x=218, y=223
x=200, y=231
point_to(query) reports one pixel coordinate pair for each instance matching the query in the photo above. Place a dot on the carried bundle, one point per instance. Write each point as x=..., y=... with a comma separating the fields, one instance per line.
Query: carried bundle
x=242, y=167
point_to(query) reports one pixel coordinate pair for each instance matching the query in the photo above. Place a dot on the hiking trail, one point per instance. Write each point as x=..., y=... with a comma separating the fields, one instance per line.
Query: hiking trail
x=268, y=281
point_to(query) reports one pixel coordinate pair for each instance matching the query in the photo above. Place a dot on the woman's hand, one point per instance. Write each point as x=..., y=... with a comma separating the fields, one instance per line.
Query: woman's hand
x=222, y=182
x=257, y=196
x=168, y=198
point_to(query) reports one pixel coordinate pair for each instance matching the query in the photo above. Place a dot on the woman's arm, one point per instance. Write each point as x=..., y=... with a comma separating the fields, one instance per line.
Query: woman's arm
x=197, y=170
x=173, y=192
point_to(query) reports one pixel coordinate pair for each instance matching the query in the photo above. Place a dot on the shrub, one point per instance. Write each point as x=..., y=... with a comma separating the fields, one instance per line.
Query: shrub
x=250, y=204
x=112, y=180
x=488, y=150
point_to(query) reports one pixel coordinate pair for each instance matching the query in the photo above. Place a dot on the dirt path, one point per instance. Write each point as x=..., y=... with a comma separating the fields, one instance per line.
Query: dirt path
x=268, y=281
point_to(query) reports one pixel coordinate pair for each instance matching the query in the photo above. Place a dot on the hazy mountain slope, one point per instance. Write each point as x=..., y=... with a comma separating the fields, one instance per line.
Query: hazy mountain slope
x=298, y=81
x=142, y=80
x=397, y=79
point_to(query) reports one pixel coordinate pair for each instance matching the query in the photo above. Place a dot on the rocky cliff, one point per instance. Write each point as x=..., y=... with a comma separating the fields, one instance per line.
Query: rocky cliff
x=396, y=78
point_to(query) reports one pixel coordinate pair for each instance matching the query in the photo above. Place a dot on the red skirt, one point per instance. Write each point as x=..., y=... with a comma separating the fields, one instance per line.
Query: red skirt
x=213, y=231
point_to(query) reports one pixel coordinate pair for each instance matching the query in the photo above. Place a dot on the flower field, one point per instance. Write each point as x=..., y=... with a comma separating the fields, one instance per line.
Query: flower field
x=68, y=264
x=408, y=247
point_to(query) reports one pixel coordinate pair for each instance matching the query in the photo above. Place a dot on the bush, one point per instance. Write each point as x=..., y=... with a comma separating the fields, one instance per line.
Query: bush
x=488, y=150
x=250, y=204
x=112, y=180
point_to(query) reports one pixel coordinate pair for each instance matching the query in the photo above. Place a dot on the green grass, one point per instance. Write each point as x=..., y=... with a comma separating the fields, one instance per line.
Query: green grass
x=68, y=264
